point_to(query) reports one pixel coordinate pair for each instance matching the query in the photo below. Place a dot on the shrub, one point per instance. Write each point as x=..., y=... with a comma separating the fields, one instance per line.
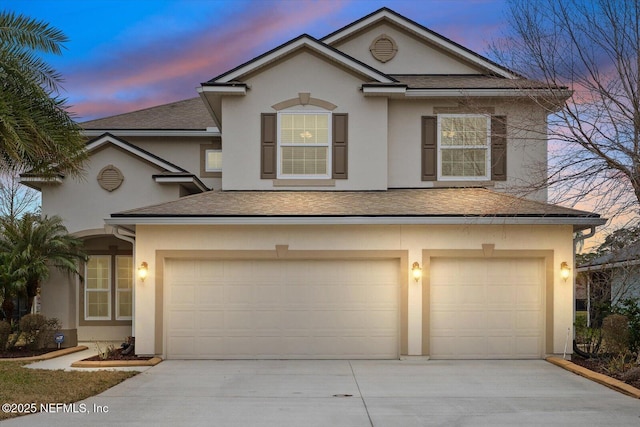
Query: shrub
x=5, y=332
x=615, y=332
x=38, y=331
x=631, y=309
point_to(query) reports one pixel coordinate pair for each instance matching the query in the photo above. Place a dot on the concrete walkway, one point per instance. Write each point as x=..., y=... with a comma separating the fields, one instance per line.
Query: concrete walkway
x=352, y=393
x=64, y=362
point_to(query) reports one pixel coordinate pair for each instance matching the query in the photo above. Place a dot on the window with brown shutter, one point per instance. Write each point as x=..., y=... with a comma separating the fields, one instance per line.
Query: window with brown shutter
x=429, y=148
x=499, y=148
x=459, y=147
x=268, y=146
x=340, y=143
x=305, y=144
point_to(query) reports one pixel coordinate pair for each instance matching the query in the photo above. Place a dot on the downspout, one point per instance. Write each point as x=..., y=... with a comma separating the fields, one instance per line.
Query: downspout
x=576, y=240
x=116, y=233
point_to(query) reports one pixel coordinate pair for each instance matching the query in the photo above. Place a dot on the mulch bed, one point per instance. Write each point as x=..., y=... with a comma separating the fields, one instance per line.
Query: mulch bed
x=117, y=355
x=600, y=366
x=24, y=352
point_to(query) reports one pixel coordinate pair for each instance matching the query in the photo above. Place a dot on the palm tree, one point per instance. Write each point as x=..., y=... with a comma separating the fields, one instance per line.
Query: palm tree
x=11, y=285
x=36, y=131
x=36, y=244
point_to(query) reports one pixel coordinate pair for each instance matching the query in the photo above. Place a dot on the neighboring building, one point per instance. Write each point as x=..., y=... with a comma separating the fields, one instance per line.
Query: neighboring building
x=281, y=213
x=612, y=277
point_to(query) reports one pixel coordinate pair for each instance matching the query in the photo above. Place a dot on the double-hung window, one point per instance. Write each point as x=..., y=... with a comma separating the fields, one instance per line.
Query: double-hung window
x=97, y=297
x=304, y=144
x=464, y=143
x=108, y=283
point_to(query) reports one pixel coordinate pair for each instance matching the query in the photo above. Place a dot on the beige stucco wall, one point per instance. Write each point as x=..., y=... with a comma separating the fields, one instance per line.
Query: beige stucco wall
x=414, y=56
x=526, y=143
x=83, y=204
x=304, y=72
x=181, y=151
x=413, y=239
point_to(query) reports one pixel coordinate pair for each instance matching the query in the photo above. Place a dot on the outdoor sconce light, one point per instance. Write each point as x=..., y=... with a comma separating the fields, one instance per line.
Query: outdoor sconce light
x=565, y=271
x=143, y=270
x=416, y=271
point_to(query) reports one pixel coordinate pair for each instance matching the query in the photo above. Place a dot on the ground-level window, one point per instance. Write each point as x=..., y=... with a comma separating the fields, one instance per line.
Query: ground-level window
x=108, y=281
x=463, y=143
x=304, y=148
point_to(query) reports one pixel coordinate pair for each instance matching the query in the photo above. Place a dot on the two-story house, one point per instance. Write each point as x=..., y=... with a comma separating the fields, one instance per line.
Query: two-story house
x=343, y=197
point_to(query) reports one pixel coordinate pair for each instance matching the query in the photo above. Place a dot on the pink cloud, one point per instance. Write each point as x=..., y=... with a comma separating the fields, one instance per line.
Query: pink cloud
x=170, y=69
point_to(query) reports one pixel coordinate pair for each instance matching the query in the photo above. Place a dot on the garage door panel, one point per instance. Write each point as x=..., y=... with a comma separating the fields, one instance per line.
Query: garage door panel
x=486, y=308
x=283, y=309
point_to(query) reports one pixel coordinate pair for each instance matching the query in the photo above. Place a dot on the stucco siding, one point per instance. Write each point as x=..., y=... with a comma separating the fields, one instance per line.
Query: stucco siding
x=526, y=144
x=414, y=56
x=304, y=72
x=83, y=204
x=412, y=239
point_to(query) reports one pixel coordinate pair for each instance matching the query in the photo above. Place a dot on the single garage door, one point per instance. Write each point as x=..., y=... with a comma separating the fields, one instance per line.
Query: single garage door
x=487, y=308
x=272, y=309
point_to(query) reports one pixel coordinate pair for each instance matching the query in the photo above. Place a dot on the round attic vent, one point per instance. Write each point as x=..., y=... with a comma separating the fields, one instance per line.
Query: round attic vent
x=110, y=178
x=383, y=48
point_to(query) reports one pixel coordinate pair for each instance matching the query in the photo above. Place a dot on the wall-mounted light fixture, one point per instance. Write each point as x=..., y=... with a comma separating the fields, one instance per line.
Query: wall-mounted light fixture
x=416, y=271
x=565, y=270
x=143, y=270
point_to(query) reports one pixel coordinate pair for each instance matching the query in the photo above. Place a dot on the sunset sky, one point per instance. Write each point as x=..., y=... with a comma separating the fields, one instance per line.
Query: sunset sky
x=124, y=55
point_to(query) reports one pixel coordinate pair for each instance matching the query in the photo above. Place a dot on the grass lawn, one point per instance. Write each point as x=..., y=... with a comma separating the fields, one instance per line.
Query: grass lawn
x=21, y=385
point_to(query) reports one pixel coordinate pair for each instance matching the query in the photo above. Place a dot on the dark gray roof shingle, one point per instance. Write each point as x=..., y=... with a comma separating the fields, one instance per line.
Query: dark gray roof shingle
x=190, y=114
x=478, y=202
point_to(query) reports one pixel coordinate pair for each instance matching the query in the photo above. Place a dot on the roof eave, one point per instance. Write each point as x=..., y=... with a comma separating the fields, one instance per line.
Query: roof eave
x=579, y=223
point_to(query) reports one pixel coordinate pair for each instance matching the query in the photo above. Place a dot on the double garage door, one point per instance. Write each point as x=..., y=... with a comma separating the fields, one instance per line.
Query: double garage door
x=220, y=309
x=273, y=309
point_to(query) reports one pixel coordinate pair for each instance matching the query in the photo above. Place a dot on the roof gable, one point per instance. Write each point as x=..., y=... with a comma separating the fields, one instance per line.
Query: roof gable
x=108, y=139
x=284, y=50
x=428, y=36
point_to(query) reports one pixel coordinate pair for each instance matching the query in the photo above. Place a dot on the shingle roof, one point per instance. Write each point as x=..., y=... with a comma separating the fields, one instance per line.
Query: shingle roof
x=450, y=202
x=190, y=114
x=478, y=81
x=628, y=253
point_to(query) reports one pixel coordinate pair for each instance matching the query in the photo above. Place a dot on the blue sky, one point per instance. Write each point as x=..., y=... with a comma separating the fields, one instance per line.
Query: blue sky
x=125, y=55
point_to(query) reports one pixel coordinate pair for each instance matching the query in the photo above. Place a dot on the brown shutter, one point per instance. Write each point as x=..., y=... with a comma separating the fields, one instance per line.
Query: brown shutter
x=340, y=145
x=429, y=148
x=498, y=148
x=268, y=146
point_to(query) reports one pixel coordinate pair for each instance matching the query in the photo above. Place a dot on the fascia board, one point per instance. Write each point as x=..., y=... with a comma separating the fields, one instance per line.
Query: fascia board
x=383, y=90
x=180, y=180
x=295, y=44
x=223, y=89
x=445, y=93
x=152, y=132
x=599, y=267
x=436, y=39
x=580, y=223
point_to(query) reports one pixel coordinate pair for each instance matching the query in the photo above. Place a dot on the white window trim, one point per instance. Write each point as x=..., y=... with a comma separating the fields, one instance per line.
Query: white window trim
x=119, y=291
x=108, y=291
x=485, y=177
x=329, y=144
x=206, y=156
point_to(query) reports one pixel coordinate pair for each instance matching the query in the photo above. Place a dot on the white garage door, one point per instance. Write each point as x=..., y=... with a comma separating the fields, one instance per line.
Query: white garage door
x=281, y=309
x=486, y=309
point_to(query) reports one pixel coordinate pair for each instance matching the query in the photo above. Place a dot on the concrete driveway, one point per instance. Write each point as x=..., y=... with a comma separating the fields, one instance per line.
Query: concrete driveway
x=352, y=393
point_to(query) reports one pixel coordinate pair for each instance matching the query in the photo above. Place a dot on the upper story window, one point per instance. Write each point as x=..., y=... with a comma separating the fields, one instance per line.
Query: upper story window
x=464, y=143
x=464, y=147
x=213, y=160
x=304, y=145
